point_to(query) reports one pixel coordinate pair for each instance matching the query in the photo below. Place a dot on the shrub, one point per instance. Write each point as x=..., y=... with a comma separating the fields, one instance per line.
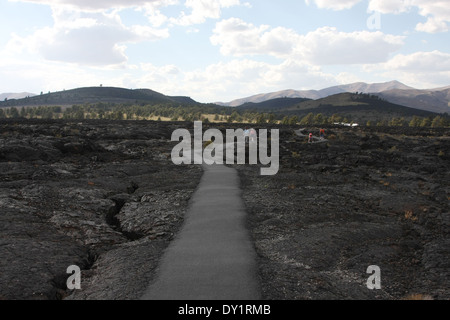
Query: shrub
x=410, y=216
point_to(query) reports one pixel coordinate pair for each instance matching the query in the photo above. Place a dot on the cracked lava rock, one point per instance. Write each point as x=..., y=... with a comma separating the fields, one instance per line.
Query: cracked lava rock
x=105, y=196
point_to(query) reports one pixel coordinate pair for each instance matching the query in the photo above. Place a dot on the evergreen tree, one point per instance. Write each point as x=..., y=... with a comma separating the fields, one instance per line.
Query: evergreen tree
x=14, y=113
x=319, y=119
x=234, y=116
x=261, y=119
x=79, y=114
x=293, y=120
x=271, y=118
x=415, y=122
x=308, y=119
x=397, y=122
x=426, y=122
x=335, y=119
x=438, y=122
x=382, y=123
x=47, y=114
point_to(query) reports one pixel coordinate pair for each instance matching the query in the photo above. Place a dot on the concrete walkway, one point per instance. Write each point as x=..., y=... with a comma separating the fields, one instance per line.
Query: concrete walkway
x=212, y=258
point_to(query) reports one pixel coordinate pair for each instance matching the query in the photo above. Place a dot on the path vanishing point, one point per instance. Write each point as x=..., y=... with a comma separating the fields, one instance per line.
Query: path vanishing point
x=212, y=257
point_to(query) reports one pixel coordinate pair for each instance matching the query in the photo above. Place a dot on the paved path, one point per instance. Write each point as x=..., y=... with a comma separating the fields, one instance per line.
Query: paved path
x=212, y=258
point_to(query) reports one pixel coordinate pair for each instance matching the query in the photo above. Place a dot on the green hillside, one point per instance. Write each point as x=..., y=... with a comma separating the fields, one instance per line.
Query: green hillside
x=91, y=95
x=358, y=107
x=272, y=105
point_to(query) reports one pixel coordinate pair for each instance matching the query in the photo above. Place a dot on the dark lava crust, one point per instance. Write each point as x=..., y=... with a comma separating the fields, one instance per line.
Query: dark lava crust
x=97, y=194
x=368, y=196
x=105, y=196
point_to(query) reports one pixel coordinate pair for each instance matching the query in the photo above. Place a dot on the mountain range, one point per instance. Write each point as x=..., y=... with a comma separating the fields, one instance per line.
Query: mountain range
x=430, y=100
x=434, y=100
x=20, y=95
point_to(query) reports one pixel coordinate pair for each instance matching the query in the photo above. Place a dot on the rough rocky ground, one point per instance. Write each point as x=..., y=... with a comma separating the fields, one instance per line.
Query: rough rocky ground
x=106, y=197
x=365, y=197
x=101, y=195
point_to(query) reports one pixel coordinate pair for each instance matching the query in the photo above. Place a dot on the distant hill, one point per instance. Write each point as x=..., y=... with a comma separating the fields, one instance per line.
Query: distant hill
x=435, y=100
x=20, y=95
x=318, y=94
x=96, y=95
x=358, y=107
x=371, y=88
x=272, y=105
x=383, y=100
x=310, y=94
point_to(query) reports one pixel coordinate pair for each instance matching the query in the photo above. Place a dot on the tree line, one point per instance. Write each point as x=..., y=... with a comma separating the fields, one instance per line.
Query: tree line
x=207, y=112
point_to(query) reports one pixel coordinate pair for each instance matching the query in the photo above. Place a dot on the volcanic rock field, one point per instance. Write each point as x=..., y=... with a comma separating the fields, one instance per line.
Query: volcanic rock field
x=105, y=196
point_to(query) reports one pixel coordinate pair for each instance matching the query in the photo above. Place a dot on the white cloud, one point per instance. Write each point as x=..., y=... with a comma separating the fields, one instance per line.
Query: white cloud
x=347, y=77
x=236, y=37
x=434, y=61
x=154, y=15
x=323, y=46
x=419, y=69
x=36, y=76
x=92, y=36
x=328, y=46
x=91, y=5
x=437, y=12
x=433, y=25
x=202, y=10
x=225, y=81
x=389, y=6
x=85, y=38
x=333, y=4
x=198, y=10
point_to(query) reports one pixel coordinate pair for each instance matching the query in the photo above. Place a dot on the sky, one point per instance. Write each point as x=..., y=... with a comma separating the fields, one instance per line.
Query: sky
x=220, y=50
